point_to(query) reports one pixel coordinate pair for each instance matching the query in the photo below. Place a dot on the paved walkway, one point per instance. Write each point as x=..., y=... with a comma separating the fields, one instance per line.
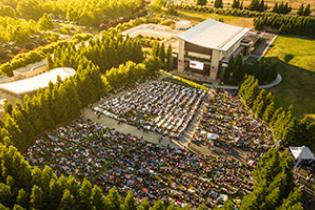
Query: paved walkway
x=126, y=128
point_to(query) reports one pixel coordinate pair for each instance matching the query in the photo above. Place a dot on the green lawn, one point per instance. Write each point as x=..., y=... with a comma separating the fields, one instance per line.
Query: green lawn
x=297, y=67
x=295, y=51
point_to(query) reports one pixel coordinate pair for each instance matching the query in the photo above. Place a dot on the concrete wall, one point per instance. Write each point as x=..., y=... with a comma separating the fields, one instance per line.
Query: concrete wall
x=181, y=55
x=216, y=57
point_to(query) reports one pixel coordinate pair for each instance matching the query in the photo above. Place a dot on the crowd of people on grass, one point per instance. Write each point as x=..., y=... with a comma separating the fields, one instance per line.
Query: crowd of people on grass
x=112, y=159
x=226, y=123
x=159, y=106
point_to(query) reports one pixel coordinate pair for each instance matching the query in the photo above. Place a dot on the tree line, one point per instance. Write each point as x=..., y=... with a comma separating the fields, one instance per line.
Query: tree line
x=32, y=56
x=285, y=126
x=273, y=184
x=86, y=12
x=255, y=9
x=106, y=50
x=297, y=25
x=265, y=71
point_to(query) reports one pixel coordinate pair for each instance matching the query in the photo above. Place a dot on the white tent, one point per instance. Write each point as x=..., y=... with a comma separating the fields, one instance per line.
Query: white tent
x=302, y=153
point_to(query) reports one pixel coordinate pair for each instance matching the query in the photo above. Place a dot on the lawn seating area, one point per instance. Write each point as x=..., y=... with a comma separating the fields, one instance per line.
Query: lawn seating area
x=159, y=106
x=226, y=124
x=113, y=159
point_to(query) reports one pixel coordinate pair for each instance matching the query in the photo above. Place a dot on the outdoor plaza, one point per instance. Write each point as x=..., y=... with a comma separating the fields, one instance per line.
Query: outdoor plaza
x=159, y=106
x=112, y=159
x=226, y=124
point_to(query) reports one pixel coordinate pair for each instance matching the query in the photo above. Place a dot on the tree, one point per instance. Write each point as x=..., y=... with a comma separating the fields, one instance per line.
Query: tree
x=170, y=59
x=144, y=205
x=236, y=4
x=218, y=4
x=157, y=5
x=130, y=203
x=113, y=200
x=67, y=201
x=301, y=10
x=307, y=11
x=30, y=9
x=7, y=11
x=45, y=22
x=201, y=2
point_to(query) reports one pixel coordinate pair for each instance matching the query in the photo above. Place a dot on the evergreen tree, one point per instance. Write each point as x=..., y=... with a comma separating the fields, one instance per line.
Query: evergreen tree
x=307, y=11
x=301, y=10
x=201, y=2
x=130, y=203
x=67, y=201
x=218, y=4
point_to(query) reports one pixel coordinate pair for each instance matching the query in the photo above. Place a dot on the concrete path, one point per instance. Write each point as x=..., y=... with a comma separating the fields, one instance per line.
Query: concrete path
x=127, y=129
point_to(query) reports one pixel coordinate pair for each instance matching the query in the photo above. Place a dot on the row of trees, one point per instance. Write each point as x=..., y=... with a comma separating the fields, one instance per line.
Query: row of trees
x=264, y=71
x=286, y=127
x=304, y=11
x=107, y=50
x=282, y=8
x=273, y=184
x=25, y=187
x=165, y=55
x=33, y=56
x=56, y=104
x=257, y=5
x=87, y=12
x=255, y=9
x=297, y=25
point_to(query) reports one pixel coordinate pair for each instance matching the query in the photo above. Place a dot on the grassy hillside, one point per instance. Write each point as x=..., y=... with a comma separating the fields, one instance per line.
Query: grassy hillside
x=297, y=66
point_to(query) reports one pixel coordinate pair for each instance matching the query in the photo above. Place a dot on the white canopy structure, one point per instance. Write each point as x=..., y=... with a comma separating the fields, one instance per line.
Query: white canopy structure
x=214, y=34
x=32, y=84
x=302, y=153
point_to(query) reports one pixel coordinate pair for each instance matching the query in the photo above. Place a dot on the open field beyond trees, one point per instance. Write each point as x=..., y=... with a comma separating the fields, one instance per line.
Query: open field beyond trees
x=295, y=4
x=297, y=58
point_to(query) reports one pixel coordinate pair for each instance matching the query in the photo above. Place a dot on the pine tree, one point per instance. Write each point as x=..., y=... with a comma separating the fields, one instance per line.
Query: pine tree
x=307, y=11
x=201, y=2
x=170, y=59
x=144, y=205
x=36, y=198
x=218, y=4
x=67, y=201
x=114, y=200
x=301, y=10
x=130, y=203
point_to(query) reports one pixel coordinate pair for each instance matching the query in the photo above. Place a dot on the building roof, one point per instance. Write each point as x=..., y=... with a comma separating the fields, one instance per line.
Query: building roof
x=214, y=34
x=302, y=153
x=32, y=84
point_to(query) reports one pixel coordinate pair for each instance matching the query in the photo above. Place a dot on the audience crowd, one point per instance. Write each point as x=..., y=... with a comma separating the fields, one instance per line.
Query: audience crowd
x=226, y=123
x=112, y=159
x=159, y=106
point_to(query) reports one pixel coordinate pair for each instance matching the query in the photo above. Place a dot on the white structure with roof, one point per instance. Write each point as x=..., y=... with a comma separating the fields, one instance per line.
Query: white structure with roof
x=32, y=84
x=302, y=154
x=209, y=43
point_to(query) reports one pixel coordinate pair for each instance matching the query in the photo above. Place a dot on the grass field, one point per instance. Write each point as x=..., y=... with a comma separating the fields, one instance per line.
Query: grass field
x=297, y=67
x=295, y=51
x=200, y=16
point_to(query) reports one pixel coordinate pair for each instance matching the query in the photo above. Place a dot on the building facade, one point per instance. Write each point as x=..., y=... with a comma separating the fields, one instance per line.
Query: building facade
x=207, y=47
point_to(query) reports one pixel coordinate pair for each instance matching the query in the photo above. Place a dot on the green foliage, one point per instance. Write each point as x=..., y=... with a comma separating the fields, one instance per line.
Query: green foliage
x=7, y=11
x=304, y=11
x=218, y=4
x=282, y=122
x=12, y=29
x=297, y=25
x=257, y=5
x=45, y=23
x=282, y=8
x=265, y=71
x=237, y=4
x=201, y=2
x=273, y=181
x=157, y=5
x=30, y=9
